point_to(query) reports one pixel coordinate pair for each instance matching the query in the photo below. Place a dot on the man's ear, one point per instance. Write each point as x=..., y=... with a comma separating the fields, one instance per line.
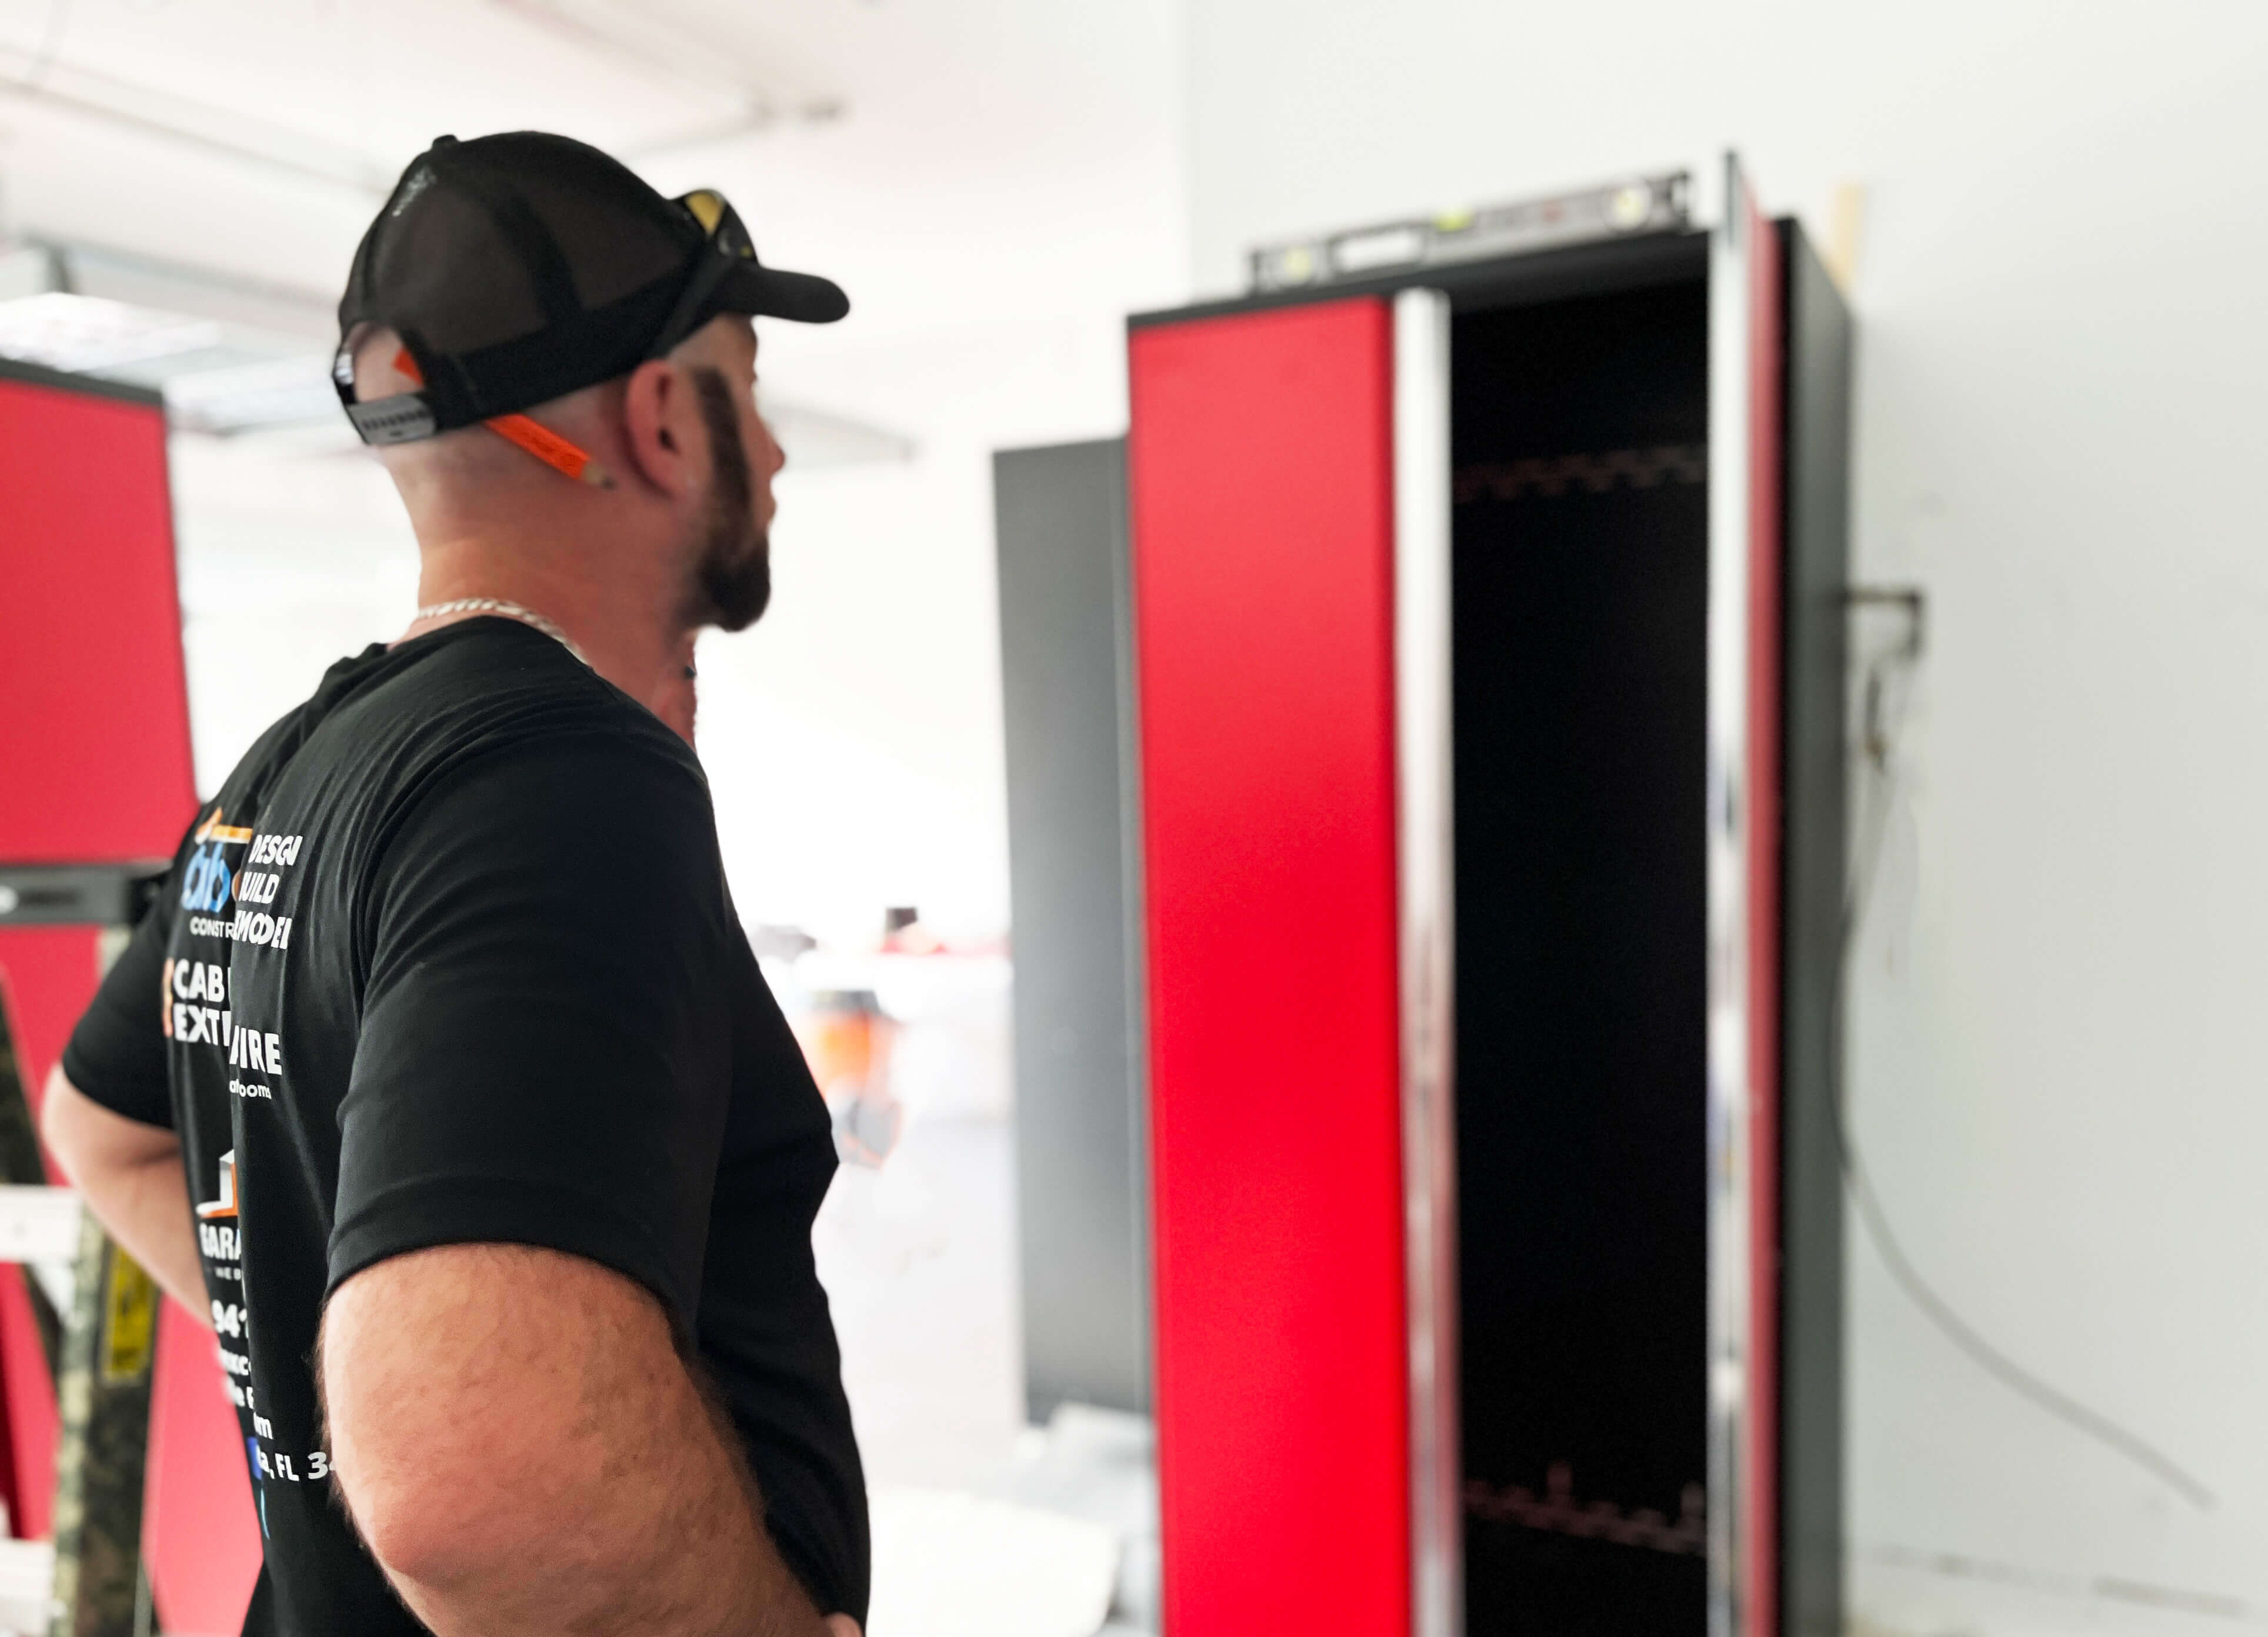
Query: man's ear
x=658, y=412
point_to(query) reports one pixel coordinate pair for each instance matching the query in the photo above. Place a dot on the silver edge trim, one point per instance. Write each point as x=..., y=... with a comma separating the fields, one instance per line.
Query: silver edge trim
x=1729, y=344
x=1507, y=228
x=1134, y=911
x=1424, y=841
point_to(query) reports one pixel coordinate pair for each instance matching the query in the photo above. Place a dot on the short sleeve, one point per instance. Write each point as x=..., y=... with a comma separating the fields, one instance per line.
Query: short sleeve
x=544, y=1050
x=116, y=1055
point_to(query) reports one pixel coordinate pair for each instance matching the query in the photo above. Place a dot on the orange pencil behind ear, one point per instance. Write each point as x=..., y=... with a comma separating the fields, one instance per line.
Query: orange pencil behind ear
x=532, y=435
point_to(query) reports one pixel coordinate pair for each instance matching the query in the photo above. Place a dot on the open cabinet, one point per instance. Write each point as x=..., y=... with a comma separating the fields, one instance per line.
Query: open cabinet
x=1486, y=666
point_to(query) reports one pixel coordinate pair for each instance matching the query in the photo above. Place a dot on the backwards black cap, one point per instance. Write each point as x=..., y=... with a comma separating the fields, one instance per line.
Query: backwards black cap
x=522, y=267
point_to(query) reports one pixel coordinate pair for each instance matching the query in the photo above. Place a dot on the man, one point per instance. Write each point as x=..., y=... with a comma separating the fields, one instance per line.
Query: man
x=441, y=1076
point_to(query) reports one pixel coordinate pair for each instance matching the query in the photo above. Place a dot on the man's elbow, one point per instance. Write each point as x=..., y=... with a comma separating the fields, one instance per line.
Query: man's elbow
x=61, y=1123
x=439, y=1499
x=402, y=1529
x=93, y=1144
x=422, y=1532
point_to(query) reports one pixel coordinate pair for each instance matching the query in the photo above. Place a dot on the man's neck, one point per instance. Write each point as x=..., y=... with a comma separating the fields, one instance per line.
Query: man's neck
x=632, y=633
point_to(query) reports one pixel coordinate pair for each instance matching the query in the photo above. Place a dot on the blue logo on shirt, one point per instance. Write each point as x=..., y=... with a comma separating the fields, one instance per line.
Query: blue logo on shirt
x=206, y=883
x=251, y=1455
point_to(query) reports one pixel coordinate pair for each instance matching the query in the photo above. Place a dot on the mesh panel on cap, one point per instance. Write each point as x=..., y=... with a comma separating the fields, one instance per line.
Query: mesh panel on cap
x=457, y=254
x=610, y=251
x=449, y=273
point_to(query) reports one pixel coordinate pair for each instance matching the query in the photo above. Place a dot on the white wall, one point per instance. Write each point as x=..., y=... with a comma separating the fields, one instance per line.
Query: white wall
x=854, y=738
x=2056, y=1042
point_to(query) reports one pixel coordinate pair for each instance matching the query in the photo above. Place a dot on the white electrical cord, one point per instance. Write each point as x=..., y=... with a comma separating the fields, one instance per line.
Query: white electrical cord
x=1878, y=745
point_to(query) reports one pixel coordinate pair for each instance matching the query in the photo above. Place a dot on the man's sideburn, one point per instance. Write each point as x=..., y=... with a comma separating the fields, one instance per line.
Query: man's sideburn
x=733, y=575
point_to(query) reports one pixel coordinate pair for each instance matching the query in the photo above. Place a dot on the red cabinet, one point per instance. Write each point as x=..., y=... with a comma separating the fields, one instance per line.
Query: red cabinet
x=96, y=789
x=1487, y=669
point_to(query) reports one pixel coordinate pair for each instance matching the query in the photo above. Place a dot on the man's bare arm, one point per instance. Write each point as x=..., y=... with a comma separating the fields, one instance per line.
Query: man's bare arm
x=132, y=1180
x=525, y=1452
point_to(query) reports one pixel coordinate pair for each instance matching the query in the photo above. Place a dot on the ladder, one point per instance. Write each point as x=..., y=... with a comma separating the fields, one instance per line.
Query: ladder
x=96, y=1311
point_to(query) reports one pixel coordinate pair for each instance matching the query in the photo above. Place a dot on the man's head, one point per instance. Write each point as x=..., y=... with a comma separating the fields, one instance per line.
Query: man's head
x=688, y=463
x=551, y=357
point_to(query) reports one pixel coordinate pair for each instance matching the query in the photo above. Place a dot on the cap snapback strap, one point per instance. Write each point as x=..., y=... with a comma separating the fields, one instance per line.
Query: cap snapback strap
x=404, y=418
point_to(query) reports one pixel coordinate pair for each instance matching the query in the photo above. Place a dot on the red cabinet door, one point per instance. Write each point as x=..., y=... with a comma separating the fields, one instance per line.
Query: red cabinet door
x=1261, y=465
x=1747, y=355
x=94, y=728
x=95, y=768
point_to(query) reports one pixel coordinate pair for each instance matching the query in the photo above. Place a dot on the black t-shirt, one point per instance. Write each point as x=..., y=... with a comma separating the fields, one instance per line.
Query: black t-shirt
x=450, y=958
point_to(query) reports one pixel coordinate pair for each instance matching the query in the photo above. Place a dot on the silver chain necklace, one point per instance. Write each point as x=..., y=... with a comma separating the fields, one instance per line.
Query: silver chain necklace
x=509, y=611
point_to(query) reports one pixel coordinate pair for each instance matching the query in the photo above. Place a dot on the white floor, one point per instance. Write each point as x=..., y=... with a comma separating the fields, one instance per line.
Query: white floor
x=919, y=1259
x=981, y=1524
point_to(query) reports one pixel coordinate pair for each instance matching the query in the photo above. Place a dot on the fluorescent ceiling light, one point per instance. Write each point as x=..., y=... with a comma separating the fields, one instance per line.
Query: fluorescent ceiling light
x=86, y=334
x=230, y=354
x=285, y=315
x=257, y=398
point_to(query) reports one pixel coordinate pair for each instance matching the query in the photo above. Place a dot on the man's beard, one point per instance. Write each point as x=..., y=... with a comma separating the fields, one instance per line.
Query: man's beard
x=732, y=575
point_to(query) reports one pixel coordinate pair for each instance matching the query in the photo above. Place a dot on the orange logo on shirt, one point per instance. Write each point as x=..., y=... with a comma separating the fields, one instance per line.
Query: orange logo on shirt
x=213, y=830
x=224, y=1206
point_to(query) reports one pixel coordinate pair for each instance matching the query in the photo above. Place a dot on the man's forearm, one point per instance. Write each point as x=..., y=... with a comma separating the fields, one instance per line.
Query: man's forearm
x=511, y=1484
x=131, y=1178
x=146, y=1209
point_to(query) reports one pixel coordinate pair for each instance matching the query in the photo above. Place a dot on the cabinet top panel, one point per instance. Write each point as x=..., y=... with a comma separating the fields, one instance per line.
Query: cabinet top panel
x=1503, y=282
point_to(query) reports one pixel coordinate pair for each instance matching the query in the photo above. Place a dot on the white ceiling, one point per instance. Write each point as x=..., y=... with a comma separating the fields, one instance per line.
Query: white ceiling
x=993, y=160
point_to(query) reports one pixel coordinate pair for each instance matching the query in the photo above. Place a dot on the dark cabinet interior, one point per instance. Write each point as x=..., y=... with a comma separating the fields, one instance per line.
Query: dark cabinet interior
x=1578, y=432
